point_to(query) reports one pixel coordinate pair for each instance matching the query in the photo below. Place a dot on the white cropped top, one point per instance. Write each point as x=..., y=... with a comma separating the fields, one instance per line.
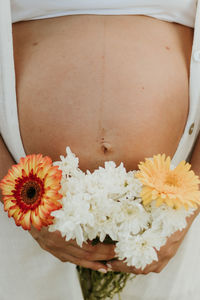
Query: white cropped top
x=179, y=11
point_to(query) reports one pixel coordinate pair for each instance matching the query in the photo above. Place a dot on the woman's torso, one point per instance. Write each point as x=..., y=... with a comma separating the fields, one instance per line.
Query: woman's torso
x=110, y=87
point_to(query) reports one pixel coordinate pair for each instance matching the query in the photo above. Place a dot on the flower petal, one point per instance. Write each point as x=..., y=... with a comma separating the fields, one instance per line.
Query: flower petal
x=31, y=191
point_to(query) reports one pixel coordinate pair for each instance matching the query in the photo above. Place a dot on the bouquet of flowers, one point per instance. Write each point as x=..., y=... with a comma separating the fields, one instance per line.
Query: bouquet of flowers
x=137, y=210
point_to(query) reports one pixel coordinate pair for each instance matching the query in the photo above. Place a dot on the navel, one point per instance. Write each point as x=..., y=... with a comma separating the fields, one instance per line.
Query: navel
x=106, y=147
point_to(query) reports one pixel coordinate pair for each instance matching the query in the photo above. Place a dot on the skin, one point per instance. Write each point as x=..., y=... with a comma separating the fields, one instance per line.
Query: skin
x=55, y=64
x=77, y=86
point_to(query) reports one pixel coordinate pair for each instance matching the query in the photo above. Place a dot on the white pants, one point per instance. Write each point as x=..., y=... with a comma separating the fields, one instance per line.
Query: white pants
x=29, y=273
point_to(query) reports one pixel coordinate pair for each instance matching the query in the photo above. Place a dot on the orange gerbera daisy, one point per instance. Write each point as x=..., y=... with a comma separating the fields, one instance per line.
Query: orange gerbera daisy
x=176, y=188
x=30, y=191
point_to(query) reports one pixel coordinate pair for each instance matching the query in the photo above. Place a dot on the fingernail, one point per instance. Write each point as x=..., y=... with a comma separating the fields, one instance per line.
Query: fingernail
x=102, y=270
x=109, y=266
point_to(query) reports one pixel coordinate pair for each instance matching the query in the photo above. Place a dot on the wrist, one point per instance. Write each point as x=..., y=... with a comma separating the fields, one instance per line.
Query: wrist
x=1, y=198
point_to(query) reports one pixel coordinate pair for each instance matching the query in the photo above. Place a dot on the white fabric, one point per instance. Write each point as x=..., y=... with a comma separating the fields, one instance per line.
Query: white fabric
x=179, y=11
x=30, y=273
x=9, y=126
x=27, y=272
x=187, y=141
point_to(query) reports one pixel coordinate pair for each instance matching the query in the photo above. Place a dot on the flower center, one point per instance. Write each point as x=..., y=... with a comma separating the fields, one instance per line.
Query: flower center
x=172, y=180
x=30, y=192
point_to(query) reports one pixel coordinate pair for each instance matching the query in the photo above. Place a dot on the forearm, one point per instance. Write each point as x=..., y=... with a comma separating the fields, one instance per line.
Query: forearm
x=6, y=161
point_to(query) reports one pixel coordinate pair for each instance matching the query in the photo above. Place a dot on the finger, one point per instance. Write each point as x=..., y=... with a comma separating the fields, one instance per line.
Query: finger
x=96, y=266
x=118, y=266
x=100, y=251
x=161, y=266
x=121, y=266
x=92, y=256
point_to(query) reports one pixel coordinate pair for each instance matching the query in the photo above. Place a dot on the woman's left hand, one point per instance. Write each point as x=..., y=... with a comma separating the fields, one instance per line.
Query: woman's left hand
x=164, y=254
x=174, y=241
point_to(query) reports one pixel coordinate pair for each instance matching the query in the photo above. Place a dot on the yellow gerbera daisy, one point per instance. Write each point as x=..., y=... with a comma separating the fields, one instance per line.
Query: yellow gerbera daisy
x=30, y=191
x=176, y=188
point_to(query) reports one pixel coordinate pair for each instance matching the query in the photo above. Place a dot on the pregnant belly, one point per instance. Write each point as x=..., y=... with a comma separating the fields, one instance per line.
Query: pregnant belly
x=110, y=87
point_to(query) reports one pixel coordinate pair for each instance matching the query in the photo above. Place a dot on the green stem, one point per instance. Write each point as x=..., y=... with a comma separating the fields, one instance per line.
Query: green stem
x=97, y=286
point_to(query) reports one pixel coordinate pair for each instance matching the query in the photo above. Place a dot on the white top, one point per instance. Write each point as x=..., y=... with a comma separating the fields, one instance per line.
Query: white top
x=179, y=11
x=26, y=269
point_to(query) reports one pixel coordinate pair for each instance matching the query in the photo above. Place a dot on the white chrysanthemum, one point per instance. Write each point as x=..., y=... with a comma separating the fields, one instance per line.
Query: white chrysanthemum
x=107, y=203
x=133, y=218
x=70, y=220
x=108, y=224
x=168, y=220
x=139, y=250
x=69, y=165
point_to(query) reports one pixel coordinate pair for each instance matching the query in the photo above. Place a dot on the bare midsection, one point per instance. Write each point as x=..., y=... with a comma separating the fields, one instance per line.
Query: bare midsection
x=110, y=87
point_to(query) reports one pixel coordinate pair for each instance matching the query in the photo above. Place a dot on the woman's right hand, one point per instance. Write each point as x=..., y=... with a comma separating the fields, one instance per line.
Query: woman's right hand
x=88, y=256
